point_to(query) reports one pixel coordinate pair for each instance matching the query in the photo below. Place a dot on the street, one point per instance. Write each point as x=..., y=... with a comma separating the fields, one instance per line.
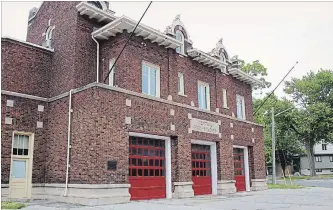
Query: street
x=310, y=198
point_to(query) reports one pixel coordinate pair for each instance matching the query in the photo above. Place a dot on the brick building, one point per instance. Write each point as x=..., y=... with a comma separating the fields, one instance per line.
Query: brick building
x=171, y=121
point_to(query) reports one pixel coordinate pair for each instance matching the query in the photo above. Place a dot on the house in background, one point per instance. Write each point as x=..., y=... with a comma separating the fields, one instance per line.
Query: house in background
x=323, y=153
x=170, y=121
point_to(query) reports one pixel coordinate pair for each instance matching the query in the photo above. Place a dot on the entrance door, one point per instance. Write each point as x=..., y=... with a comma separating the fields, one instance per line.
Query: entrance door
x=201, y=169
x=147, y=168
x=239, y=169
x=21, y=167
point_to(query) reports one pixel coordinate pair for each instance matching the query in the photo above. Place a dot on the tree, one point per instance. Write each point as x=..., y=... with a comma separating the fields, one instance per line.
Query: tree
x=255, y=69
x=313, y=121
x=287, y=144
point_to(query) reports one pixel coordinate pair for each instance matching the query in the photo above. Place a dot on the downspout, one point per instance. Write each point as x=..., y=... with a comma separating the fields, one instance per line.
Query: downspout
x=97, y=62
x=68, y=139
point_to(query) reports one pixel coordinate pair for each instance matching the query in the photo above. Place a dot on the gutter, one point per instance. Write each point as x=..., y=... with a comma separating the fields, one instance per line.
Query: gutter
x=97, y=62
x=68, y=139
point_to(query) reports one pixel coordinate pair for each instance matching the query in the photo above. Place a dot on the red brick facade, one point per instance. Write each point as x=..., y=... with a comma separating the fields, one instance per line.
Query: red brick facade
x=98, y=129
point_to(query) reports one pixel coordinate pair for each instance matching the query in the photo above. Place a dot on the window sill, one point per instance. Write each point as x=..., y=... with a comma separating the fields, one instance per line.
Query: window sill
x=225, y=107
x=182, y=95
x=182, y=55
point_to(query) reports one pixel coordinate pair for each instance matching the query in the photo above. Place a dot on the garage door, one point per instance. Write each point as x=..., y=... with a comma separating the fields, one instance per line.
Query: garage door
x=147, y=168
x=239, y=169
x=201, y=169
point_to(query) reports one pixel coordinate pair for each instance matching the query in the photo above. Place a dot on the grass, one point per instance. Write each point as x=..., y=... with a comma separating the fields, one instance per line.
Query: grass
x=11, y=205
x=284, y=186
x=326, y=176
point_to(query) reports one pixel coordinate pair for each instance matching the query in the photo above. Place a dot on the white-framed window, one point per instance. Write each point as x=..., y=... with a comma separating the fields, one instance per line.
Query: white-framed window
x=331, y=158
x=318, y=158
x=180, y=37
x=150, y=79
x=225, y=99
x=222, y=58
x=240, y=103
x=331, y=170
x=203, y=95
x=21, y=145
x=181, y=86
x=324, y=146
x=111, y=76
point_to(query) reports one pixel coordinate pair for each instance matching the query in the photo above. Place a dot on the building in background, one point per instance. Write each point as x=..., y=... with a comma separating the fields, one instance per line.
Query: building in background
x=170, y=121
x=323, y=153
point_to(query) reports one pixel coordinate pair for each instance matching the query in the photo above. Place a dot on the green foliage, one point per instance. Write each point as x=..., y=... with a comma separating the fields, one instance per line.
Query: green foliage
x=283, y=186
x=287, y=144
x=313, y=122
x=255, y=69
x=11, y=205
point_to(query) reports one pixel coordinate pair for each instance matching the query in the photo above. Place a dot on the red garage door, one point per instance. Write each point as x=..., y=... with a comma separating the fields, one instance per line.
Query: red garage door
x=146, y=168
x=201, y=169
x=239, y=169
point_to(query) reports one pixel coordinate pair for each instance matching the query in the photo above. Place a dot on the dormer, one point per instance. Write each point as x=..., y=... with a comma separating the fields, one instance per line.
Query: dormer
x=220, y=53
x=177, y=30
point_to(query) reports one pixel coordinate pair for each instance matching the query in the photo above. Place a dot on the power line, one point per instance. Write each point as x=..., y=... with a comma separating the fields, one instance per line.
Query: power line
x=275, y=89
x=129, y=38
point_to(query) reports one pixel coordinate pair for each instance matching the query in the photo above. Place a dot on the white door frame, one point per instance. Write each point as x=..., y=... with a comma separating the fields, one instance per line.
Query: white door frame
x=167, y=158
x=246, y=164
x=213, y=159
x=28, y=157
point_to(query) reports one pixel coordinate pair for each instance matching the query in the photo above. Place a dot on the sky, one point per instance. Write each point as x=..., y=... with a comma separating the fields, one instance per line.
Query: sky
x=276, y=33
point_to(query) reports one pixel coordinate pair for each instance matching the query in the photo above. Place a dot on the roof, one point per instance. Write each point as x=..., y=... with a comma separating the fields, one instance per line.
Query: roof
x=206, y=59
x=125, y=23
x=26, y=43
x=243, y=76
x=85, y=8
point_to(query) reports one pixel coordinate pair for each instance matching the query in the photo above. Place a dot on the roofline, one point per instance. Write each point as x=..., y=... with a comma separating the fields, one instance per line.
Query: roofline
x=26, y=43
x=251, y=78
x=30, y=19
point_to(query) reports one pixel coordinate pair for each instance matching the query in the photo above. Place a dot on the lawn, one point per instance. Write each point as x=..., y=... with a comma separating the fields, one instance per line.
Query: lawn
x=283, y=186
x=326, y=176
x=11, y=205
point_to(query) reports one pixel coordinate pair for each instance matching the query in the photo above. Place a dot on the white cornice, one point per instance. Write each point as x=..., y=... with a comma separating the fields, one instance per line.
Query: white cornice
x=91, y=11
x=206, y=59
x=126, y=23
x=27, y=43
x=243, y=76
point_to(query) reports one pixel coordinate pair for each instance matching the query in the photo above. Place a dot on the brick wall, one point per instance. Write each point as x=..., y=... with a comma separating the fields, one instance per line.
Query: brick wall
x=25, y=115
x=24, y=68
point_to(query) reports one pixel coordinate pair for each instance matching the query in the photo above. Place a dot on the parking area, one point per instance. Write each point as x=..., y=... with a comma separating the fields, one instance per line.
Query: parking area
x=310, y=198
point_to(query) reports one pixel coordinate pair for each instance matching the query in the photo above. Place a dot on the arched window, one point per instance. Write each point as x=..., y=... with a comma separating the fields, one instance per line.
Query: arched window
x=222, y=57
x=180, y=37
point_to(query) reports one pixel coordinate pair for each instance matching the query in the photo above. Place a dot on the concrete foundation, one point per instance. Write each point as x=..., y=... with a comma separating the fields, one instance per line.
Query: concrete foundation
x=226, y=187
x=183, y=190
x=259, y=184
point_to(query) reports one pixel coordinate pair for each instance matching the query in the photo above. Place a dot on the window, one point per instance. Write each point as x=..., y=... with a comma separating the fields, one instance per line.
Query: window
x=181, y=90
x=111, y=76
x=203, y=96
x=318, y=158
x=225, y=102
x=222, y=57
x=319, y=170
x=150, y=79
x=240, y=107
x=331, y=158
x=331, y=170
x=21, y=145
x=324, y=146
x=180, y=37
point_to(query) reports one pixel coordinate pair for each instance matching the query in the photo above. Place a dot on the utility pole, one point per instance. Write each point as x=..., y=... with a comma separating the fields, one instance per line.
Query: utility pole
x=273, y=147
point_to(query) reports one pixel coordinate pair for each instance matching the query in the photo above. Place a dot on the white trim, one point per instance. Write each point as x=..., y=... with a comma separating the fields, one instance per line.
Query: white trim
x=167, y=158
x=208, y=96
x=213, y=157
x=243, y=76
x=206, y=59
x=111, y=76
x=91, y=11
x=182, y=86
x=246, y=168
x=125, y=23
x=182, y=46
x=129, y=92
x=27, y=43
x=243, y=107
x=225, y=99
